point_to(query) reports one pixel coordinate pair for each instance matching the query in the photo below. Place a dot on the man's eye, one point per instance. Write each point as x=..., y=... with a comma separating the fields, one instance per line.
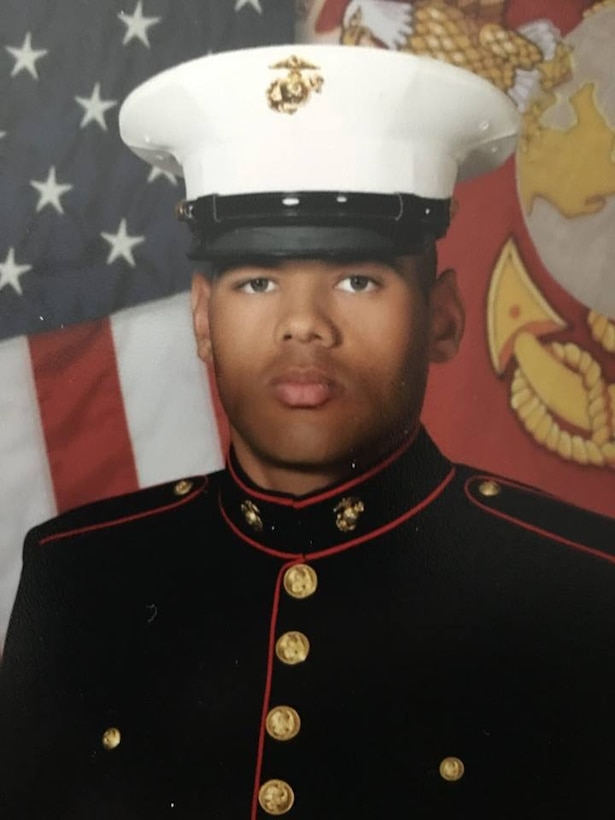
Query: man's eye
x=258, y=285
x=357, y=284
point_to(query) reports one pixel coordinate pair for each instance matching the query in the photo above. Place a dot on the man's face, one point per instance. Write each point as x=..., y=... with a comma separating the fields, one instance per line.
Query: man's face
x=320, y=366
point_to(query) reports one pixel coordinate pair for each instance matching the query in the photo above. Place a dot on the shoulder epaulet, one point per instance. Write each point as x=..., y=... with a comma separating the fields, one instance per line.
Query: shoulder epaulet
x=120, y=509
x=544, y=514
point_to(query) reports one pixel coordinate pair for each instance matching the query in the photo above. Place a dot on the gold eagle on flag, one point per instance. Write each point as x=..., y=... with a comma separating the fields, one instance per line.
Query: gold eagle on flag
x=471, y=34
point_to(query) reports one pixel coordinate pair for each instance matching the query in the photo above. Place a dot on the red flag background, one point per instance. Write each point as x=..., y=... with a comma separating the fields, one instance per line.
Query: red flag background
x=532, y=392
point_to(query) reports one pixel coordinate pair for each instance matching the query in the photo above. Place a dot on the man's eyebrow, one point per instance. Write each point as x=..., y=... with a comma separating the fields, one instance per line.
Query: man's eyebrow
x=230, y=267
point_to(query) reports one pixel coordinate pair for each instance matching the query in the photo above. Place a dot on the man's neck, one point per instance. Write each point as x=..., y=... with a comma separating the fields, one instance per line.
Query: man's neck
x=292, y=479
x=305, y=479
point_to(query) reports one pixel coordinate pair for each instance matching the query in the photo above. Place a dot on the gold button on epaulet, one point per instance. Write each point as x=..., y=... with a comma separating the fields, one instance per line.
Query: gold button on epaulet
x=451, y=769
x=276, y=797
x=300, y=581
x=111, y=738
x=182, y=487
x=489, y=488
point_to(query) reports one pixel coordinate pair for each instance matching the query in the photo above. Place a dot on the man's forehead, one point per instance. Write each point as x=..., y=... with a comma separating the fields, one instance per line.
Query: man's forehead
x=345, y=263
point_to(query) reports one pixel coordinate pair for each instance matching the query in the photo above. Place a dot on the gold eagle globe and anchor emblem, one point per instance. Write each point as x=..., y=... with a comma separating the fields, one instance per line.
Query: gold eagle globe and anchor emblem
x=347, y=513
x=562, y=389
x=287, y=94
x=558, y=391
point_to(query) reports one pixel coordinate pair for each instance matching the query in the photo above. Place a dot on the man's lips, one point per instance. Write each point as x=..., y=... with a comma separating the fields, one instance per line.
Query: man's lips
x=308, y=389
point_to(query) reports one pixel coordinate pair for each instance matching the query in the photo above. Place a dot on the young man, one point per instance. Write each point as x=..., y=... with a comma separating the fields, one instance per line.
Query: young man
x=341, y=624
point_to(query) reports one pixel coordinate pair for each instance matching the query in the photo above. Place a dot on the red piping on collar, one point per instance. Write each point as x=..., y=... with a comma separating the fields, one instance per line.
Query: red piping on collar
x=538, y=530
x=313, y=499
x=347, y=544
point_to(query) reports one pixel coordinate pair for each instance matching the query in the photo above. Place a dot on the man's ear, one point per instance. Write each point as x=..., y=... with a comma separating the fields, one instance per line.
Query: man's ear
x=447, y=318
x=199, y=297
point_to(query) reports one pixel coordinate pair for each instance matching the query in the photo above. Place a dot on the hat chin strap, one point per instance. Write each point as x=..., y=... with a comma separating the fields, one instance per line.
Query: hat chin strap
x=312, y=223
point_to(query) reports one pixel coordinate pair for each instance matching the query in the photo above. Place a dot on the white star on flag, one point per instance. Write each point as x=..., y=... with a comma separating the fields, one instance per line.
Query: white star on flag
x=158, y=172
x=137, y=25
x=26, y=57
x=122, y=244
x=95, y=108
x=256, y=5
x=50, y=191
x=10, y=272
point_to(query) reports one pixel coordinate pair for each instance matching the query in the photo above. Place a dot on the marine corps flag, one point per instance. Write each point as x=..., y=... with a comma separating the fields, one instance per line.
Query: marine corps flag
x=532, y=393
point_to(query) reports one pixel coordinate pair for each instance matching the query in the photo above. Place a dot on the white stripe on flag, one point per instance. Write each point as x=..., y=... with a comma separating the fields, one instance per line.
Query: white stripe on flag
x=166, y=392
x=26, y=493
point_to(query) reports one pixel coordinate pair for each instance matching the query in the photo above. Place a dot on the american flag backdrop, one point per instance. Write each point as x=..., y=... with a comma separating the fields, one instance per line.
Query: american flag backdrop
x=101, y=391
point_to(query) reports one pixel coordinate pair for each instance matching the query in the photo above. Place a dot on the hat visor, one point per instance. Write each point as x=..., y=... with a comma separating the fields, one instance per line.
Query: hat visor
x=304, y=242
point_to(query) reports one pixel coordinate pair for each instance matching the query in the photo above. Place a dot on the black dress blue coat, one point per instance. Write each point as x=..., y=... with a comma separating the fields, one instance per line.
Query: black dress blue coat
x=443, y=647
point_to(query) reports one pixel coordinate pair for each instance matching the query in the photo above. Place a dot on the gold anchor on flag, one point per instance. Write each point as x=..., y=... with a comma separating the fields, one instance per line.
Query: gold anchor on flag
x=558, y=390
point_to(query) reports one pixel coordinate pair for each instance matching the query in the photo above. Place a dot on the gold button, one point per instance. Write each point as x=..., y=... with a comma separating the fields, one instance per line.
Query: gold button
x=451, y=769
x=292, y=648
x=276, y=797
x=183, y=210
x=300, y=581
x=111, y=738
x=252, y=515
x=489, y=488
x=182, y=487
x=283, y=723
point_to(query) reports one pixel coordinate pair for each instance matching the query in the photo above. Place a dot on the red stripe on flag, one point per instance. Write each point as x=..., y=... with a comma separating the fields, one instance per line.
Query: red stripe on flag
x=82, y=414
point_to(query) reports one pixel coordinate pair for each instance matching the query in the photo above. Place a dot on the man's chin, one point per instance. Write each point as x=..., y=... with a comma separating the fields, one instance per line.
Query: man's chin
x=307, y=453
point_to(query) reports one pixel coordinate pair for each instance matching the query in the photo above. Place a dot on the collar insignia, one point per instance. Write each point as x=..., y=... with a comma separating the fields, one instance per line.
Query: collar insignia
x=347, y=513
x=252, y=515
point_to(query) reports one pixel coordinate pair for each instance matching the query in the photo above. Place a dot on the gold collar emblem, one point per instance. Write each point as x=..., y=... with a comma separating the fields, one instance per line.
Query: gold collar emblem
x=289, y=93
x=347, y=513
x=252, y=515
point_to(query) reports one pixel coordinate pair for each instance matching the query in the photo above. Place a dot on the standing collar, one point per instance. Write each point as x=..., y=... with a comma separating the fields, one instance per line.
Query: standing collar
x=342, y=515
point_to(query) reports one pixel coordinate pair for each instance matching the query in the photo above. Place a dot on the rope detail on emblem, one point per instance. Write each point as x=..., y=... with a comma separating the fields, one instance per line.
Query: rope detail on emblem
x=598, y=448
x=602, y=330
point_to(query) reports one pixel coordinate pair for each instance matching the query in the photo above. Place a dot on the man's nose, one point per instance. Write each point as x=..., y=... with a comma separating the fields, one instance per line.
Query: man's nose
x=307, y=319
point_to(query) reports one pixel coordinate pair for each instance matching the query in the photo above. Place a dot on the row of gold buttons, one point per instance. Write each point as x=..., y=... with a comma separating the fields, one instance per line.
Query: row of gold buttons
x=283, y=722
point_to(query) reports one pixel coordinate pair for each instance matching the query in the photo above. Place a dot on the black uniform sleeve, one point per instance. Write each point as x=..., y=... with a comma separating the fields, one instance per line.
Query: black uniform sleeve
x=36, y=697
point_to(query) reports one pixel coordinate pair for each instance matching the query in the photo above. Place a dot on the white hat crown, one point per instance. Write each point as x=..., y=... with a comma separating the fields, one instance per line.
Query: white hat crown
x=319, y=118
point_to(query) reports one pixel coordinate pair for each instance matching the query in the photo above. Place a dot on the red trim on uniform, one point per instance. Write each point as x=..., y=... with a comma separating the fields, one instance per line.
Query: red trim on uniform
x=518, y=485
x=342, y=488
x=82, y=411
x=347, y=544
x=267, y=692
x=125, y=519
x=531, y=527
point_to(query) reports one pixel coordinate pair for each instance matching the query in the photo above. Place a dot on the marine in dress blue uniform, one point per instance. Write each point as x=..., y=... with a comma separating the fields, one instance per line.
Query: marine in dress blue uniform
x=414, y=639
